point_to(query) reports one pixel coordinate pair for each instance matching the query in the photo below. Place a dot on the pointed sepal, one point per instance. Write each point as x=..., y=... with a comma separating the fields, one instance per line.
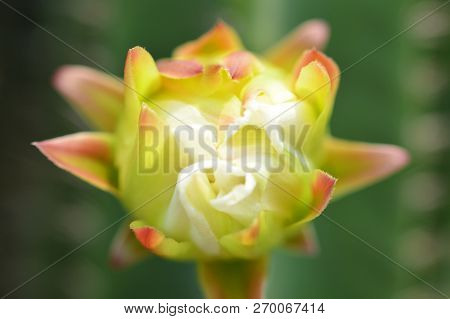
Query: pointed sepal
x=125, y=249
x=304, y=241
x=233, y=279
x=308, y=35
x=87, y=155
x=95, y=95
x=357, y=164
x=221, y=39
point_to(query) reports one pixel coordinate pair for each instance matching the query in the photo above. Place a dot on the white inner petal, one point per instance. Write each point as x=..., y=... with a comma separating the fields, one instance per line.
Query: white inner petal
x=237, y=194
x=221, y=189
x=192, y=131
x=186, y=220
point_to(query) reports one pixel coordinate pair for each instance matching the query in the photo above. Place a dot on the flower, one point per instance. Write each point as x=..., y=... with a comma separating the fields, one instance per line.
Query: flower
x=188, y=145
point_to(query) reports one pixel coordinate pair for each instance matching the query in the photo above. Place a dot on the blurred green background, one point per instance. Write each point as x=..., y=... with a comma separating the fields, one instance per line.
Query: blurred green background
x=397, y=95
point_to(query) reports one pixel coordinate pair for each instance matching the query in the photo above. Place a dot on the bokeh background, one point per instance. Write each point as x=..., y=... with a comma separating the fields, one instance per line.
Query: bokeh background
x=397, y=95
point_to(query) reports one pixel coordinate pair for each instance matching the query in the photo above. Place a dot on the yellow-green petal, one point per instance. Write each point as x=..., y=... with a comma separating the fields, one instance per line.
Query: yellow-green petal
x=322, y=97
x=142, y=79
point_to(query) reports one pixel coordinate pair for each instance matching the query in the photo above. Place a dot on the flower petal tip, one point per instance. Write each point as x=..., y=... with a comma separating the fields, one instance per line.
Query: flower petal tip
x=310, y=34
x=323, y=187
x=85, y=155
x=219, y=40
x=313, y=33
x=179, y=69
x=148, y=117
x=399, y=157
x=136, y=52
x=315, y=55
x=358, y=164
x=239, y=64
x=148, y=236
x=388, y=159
x=141, y=75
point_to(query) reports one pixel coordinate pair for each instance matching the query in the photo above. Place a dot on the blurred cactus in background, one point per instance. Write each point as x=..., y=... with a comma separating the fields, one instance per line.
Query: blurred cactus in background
x=423, y=244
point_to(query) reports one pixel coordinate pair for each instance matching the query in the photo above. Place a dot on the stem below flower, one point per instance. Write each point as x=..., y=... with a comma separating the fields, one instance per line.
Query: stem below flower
x=233, y=279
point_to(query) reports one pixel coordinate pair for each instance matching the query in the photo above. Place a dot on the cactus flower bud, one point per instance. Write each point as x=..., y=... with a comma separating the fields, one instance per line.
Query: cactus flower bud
x=221, y=155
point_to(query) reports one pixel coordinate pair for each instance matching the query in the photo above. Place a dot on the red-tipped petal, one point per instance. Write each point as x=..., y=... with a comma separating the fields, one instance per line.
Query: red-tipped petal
x=329, y=65
x=358, y=164
x=85, y=155
x=148, y=117
x=219, y=40
x=308, y=35
x=313, y=85
x=159, y=244
x=148, y=236
x=315, y=80
x=250, y=235
x=179, y=69
x=96, y=95
x=239, y=64
x=322, y=189
x=141, y=73
x=212, y=78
